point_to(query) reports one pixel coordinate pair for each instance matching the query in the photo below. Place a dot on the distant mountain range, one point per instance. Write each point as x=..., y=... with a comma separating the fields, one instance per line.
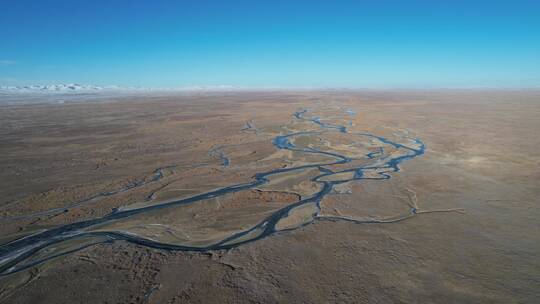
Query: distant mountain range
x=79, y=88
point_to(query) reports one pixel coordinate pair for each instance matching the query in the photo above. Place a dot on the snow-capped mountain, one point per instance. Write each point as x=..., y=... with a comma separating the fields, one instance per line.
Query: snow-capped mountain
x=79, y=88
x=60, y=88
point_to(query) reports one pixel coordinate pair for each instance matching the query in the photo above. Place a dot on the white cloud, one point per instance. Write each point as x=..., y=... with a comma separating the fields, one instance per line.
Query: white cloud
x=4, y=62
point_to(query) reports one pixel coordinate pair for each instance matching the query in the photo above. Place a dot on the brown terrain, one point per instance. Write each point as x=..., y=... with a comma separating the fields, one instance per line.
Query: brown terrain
x=157, y=198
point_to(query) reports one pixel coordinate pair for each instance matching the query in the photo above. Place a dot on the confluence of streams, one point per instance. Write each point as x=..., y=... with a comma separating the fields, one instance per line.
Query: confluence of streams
x=31, y=250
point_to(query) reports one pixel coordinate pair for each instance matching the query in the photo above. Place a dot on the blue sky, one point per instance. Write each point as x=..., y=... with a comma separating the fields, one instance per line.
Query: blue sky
x=357, y=44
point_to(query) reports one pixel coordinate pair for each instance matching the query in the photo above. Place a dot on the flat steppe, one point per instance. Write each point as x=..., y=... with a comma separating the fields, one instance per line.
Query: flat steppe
x=129, y=199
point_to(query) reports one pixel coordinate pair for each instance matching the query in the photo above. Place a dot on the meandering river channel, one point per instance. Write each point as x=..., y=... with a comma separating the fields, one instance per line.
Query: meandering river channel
x=34, y=249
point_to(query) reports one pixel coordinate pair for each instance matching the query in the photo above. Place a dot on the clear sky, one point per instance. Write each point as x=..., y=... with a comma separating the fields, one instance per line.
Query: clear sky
x=272, y=43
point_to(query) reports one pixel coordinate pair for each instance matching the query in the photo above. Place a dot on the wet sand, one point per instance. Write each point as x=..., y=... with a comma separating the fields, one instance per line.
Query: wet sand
x=469, y=204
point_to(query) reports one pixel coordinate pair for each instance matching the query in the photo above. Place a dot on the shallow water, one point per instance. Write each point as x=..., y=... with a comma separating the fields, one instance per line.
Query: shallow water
x=225, y=231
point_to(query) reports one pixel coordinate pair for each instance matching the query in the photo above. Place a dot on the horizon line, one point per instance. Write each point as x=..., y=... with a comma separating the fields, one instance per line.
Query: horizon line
x=76, y=87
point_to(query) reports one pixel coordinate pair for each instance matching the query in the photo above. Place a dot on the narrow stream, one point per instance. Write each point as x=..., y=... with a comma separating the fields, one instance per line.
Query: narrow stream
x=21, y=254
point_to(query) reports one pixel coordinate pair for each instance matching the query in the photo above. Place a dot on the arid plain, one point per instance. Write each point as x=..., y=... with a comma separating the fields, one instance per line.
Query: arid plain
x=272, y=197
